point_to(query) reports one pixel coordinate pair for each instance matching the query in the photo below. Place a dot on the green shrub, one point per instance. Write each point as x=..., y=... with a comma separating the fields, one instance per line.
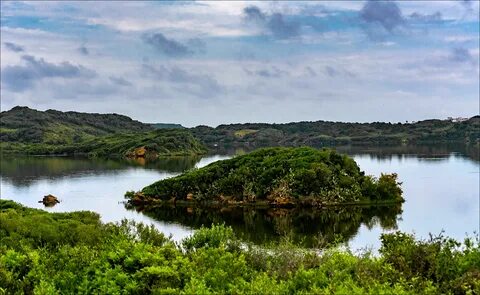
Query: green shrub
x=267, y=174
x=130, y=258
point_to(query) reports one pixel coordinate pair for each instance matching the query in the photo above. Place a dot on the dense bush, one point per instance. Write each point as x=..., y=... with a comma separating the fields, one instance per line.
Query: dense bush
x=28, y=131
x=162, y=142
x=302, y=175
x=130, y=258
x=22, y=124
x=322, y=133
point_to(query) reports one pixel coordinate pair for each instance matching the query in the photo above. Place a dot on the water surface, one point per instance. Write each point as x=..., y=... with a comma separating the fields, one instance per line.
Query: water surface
x=441, y=188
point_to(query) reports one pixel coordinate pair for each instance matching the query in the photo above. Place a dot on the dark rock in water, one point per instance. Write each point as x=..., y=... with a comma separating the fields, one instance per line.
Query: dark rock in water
x=49, y=200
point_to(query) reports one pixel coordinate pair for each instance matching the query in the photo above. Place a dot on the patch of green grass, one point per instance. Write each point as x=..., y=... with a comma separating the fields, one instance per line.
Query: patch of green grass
x=243, y=132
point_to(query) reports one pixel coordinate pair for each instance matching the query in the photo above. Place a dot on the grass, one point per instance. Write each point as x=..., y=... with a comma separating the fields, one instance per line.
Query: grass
x=243, y=132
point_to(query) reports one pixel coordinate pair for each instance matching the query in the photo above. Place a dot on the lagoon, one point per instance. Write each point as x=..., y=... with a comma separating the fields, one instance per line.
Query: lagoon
x=440, y=184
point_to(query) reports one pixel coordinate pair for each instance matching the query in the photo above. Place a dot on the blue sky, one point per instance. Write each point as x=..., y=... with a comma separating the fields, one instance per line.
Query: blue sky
x=214, y=62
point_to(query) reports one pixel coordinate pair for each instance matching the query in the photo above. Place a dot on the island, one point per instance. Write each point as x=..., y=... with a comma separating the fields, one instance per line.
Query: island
x=281, y=177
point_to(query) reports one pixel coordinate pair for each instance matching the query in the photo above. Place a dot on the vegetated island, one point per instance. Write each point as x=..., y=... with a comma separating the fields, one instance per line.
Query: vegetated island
x=283, y=177
x=75, y=253
x=32, y=132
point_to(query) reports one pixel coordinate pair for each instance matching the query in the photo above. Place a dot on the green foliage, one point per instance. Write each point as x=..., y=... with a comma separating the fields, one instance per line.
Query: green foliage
x=322, y=133
x=215, y=237
x=162, y=142
x=25, y=125
x=129, y=258
x=304, y=175
x=28, y=131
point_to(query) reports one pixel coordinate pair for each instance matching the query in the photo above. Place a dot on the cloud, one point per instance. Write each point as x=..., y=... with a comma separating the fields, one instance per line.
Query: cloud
x=427, y=18
x=335, y=72
x=13, y=47
x=254, y=14
x=468, y=4
x=311, y=72
x=274, y=72
x=197, y=45
x=330, y=71
x=21, y=77
x=275, y=23
x=120, y=81
x=461, y=55
x=83, y=50
x=173, y=48
x=381, y=18
x=200, y=85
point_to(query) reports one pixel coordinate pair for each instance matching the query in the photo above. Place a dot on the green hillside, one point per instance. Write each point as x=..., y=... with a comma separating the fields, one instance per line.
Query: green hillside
x=166, y=126
x=151, y=144
x=22, y=124
x=323, y=133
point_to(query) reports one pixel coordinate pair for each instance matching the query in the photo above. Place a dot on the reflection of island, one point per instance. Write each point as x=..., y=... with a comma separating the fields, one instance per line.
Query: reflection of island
x=22, y=171
x=440, y=151
x=422, y=152
x=307, y=227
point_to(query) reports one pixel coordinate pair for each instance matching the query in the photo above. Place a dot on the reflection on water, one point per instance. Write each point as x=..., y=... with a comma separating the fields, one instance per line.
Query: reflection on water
x=425, y=151
x=440, y=185
x=25, y=170
x=307, y=227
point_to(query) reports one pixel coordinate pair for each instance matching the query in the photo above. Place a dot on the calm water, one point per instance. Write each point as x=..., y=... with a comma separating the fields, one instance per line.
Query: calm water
x=441, y=188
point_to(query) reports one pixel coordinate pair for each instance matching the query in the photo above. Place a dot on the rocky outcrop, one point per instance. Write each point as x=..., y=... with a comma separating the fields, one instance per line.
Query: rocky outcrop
x=49, y=200
x=142, y=153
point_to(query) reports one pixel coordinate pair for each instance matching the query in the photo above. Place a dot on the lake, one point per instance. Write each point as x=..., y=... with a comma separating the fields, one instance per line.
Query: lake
x=440, y=184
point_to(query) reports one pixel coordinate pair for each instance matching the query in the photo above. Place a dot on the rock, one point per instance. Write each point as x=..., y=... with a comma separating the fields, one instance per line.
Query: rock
x=49, y=200
x=140, y=152
x=190, y=197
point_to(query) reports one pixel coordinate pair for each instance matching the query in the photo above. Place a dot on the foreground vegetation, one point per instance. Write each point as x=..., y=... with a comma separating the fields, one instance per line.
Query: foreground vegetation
x=276, y=176
x=74, y=253
x=323, y=133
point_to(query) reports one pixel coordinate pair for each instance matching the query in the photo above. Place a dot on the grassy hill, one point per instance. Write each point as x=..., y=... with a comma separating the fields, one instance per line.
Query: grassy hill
x=276, y=176
x=27, y=131
x=22, y=124
x=166, y=126
x=322, y=133
x=151, y=144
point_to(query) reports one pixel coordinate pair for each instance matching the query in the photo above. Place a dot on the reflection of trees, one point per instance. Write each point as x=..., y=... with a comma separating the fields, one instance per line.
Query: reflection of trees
x=437, y=151
x=307, y=227
x=26, y=170
x=424, y=151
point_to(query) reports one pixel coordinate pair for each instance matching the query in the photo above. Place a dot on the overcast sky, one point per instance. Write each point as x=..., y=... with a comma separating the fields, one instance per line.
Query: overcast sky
x=218, y=62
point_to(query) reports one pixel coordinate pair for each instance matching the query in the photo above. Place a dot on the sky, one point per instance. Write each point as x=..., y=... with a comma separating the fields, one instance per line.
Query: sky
x=214, y=62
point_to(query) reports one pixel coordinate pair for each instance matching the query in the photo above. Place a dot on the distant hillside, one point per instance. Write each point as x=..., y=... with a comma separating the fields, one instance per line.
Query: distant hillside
x=25, y=125
x=166, y=126
x=150, y=145
x=322, y=133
